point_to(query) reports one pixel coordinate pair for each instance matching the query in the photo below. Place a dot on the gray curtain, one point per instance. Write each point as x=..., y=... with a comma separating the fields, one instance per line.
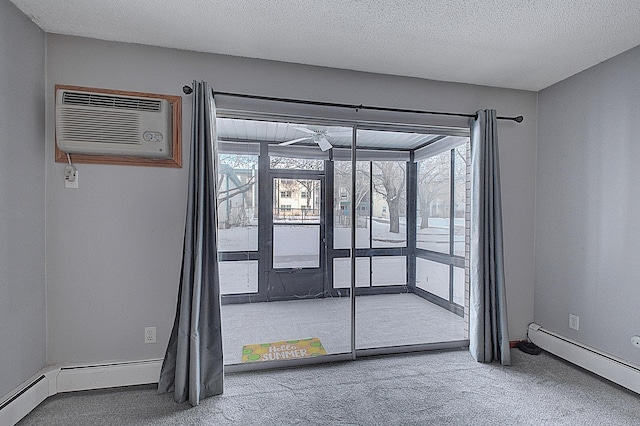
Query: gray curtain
x=193, y=366
x=488, y=329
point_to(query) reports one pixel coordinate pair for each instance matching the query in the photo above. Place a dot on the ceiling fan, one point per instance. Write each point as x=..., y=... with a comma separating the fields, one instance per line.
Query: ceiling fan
x=320, y=137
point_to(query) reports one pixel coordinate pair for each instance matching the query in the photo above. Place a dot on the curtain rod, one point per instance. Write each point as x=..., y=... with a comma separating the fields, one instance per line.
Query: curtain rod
x=188, y=90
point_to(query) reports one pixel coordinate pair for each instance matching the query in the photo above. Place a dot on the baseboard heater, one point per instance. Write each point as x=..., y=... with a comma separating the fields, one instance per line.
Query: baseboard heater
x=591, y=359
x=24, y=399
x=54, y=380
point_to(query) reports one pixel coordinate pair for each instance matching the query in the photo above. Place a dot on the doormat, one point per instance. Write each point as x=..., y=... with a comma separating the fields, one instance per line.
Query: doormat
x=286, y=349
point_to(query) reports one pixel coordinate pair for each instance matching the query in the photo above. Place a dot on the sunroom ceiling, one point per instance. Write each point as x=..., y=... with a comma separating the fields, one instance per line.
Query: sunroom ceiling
x=272, y=132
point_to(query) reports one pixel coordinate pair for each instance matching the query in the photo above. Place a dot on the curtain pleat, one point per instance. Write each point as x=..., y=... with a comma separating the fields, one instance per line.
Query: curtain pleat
x=488, y=328
x=193, y=364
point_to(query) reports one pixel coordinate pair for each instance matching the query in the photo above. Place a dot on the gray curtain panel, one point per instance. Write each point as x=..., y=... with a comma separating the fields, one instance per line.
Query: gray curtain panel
x=193, y=365
x=488, y=329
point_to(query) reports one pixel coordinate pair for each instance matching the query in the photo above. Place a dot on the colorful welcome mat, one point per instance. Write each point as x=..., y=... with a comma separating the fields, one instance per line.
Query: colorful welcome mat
x=287, y=349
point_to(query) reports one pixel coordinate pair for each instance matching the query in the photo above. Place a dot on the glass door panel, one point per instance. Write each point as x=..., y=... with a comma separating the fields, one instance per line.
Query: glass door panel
x=389, y=212
x=286, y=262
x=343, y=201
x=401, y=302
x=441, y=227
x=278, y=304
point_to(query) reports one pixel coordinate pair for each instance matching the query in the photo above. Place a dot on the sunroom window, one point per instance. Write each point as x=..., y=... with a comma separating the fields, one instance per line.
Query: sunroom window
x=294, y=219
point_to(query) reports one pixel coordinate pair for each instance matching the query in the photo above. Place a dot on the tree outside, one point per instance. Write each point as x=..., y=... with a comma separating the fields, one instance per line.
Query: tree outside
x=389, y=182
x=434, y=187
x=237, y=198
x=342, y=193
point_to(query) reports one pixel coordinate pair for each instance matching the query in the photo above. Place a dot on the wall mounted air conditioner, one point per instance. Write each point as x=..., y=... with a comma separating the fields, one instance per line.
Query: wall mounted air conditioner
x=113, y=124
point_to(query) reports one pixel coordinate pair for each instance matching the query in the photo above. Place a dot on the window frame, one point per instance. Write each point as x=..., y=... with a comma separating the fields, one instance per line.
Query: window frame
x=451, y=259
x=409, y=250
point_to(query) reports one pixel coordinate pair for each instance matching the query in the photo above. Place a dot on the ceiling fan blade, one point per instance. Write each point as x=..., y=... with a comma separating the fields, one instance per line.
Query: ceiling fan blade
x=324, y=144
x=305, y=130
x=285, y=143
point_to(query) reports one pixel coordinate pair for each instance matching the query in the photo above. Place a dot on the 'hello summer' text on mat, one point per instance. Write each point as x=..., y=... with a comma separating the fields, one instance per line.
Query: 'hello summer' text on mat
x=286, y=349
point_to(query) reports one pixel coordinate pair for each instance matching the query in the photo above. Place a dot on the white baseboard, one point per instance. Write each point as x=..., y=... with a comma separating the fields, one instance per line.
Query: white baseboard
x=594, y=360
x=102, y=376
x=53, y=380
x=24, y=399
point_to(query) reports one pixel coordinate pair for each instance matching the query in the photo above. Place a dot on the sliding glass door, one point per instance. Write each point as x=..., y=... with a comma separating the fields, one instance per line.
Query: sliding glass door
x=442, y=174
x=276, y=294
x=329, y=252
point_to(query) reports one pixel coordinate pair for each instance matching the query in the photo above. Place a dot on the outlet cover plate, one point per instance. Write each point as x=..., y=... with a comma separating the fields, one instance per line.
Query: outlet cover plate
x=574, y=322
x=149, y=335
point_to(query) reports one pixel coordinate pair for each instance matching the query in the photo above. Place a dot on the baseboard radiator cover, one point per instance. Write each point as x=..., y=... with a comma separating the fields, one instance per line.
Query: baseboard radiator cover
x=53, y=380
x=598, y=362
x=25, y=398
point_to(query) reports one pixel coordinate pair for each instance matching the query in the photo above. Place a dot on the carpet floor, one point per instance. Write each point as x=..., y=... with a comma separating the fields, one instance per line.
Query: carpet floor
x=433, y=388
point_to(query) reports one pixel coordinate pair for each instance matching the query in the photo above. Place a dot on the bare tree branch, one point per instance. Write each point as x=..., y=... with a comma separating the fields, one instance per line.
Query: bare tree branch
x=230, y=193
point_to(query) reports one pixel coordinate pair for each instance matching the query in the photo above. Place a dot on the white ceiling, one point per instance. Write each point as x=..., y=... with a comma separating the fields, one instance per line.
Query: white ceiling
x=521, y=44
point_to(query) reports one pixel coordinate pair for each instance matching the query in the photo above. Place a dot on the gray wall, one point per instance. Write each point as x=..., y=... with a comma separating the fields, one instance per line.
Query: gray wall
x=22, y=198
x=114, y=244
x=588, y=206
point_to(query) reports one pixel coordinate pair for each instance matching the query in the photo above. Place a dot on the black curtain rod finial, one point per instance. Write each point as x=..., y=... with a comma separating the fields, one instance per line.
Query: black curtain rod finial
x=187, y=90
x=518, y=119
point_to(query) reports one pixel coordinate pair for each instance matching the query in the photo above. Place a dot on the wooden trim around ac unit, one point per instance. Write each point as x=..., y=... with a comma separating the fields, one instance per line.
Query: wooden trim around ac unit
x=176, y=157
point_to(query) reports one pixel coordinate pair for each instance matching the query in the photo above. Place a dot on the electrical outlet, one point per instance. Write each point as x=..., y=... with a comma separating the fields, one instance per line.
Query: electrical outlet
x=574, y=322
x=149, y=335
x=70, y=177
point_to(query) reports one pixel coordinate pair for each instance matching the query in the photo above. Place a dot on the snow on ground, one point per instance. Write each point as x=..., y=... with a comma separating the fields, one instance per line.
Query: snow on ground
x=238, y=239
x=297, y=246
x=246, y=238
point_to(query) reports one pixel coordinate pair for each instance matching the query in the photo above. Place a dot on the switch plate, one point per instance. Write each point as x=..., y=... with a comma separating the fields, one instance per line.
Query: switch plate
x=149, y=335
x=574, y=322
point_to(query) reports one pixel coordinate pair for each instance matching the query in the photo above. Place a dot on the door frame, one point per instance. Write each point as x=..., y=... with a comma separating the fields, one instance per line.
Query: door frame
x=275, y=277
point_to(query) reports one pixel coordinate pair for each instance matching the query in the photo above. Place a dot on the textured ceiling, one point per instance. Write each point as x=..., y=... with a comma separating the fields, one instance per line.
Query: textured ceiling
x=528, y=44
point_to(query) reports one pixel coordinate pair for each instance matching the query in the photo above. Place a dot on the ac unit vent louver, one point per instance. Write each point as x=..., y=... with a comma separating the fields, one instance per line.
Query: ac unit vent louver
x=106, y=101
x=105, y=124
x=82, y=125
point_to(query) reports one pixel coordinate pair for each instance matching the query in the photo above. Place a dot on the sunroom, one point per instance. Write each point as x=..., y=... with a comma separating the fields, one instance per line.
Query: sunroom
x=336, y=263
